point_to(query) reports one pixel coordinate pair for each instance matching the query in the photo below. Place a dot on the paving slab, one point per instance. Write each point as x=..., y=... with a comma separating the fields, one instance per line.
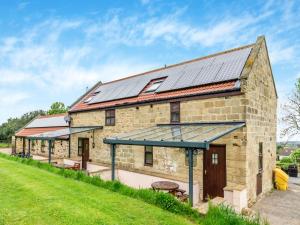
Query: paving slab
x=281, y=207
x=5, y=150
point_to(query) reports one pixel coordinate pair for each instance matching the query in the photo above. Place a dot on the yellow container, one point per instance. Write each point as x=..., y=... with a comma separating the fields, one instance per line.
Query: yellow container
x=281, y=187
x=281, y=179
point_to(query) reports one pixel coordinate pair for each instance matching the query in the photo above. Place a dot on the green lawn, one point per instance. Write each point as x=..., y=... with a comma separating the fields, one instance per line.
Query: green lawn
x=29, y=195
x=4, y=145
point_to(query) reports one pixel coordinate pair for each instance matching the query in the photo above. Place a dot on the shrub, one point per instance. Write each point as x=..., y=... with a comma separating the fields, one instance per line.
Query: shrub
x=225, y=215
x=295, y=156
x=286, y=160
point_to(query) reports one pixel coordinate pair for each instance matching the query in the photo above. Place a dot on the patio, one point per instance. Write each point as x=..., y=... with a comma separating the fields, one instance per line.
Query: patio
x=193, y=137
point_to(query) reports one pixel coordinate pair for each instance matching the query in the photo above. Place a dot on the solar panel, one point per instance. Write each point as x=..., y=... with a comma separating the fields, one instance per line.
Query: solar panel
x=227, y=66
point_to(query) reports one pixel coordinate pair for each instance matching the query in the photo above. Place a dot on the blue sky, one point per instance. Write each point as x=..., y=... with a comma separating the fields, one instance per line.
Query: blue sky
x=52, y=50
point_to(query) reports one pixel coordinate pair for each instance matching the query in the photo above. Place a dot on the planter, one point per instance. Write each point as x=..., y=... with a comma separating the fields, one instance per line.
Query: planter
x=293, y=171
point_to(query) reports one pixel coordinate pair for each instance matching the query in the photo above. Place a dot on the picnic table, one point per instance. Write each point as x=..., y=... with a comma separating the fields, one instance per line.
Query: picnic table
x=164, y=185
x=171, y=187
x=64, y=166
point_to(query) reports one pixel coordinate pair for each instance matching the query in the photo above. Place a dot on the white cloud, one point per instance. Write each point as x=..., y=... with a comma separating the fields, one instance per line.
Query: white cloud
x=40, y=56
x=11, y=98
x=145, y=2
x=281, y=52
x=22, y=5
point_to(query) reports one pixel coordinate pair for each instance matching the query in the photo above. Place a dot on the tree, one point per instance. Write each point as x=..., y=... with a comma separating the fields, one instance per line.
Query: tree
x=291, y=111
x=56, y=108
x=8, y=129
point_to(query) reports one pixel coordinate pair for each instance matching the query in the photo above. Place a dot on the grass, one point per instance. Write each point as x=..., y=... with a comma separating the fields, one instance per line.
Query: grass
x=225, y=215
x=4, y=145
x=40, y=194
x=33, y=196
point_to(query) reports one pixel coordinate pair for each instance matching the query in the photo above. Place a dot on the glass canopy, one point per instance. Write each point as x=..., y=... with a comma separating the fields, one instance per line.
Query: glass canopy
x=51, y=135
x=186, y=135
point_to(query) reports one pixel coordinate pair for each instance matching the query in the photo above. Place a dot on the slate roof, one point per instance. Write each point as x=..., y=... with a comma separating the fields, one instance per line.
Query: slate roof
x=57, y=120
x=210, y=74
x=43, y=124
x=31, y=131
x=286, y=151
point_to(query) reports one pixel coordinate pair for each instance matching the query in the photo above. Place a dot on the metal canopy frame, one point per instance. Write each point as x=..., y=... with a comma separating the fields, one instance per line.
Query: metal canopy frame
x=56, y=135
x=140, y=138
x=145, y=136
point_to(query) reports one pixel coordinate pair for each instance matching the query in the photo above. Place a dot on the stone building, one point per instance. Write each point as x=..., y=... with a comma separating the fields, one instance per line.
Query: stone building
x=42, y=125
x=231, y=88
x=208, y=124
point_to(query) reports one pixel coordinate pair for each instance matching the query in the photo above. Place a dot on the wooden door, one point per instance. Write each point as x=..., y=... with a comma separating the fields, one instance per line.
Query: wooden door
x=260, y=169
x=214, y=172
x=258, y=183
x=24, y=145
x=85, y=152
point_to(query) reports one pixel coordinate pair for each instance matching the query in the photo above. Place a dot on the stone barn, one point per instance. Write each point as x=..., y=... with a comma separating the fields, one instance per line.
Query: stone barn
x=208, y=124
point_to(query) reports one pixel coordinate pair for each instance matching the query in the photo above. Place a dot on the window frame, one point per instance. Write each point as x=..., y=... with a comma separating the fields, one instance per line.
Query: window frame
x=43, y=145
x=110, y=117
x=80, y=147
x=154, y=86
x=174, y=111
x=148, y=152
x=52, y=147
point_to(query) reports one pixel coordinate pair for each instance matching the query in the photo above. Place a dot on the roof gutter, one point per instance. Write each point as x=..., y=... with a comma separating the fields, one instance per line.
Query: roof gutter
x=233, y=91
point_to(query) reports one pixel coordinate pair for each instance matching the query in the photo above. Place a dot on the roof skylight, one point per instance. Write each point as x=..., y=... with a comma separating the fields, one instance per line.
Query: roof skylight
x=154, y=86
x=88, y=99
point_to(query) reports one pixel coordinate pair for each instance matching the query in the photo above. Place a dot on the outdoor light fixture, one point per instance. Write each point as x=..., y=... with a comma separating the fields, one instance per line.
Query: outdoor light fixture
x=93, y=144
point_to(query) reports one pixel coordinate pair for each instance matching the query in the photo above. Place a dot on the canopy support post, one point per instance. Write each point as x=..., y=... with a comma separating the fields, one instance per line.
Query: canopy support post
x=113, y=156
x=191, y=182
x=24, y=143
x=29, y=146
x=49, y=149
x=69, y=153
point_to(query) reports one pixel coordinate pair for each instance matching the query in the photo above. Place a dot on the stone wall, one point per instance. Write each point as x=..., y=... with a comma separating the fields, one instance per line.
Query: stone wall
x=167, y=162
x=256, y=105
x=261, y=120
x=38, y=147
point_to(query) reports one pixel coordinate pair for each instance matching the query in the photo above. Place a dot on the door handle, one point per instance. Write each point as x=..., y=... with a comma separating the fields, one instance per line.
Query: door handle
x=204, y=172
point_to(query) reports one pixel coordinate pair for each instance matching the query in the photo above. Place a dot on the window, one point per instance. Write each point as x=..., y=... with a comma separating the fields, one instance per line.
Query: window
x=154, y=85
x=90, y=98
x=148, y=156
x=52, y=147
x=214, y=159
x=43, y=145
x=80, y=146
x=110, y=117
x=175, y=112
x=260, y=157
